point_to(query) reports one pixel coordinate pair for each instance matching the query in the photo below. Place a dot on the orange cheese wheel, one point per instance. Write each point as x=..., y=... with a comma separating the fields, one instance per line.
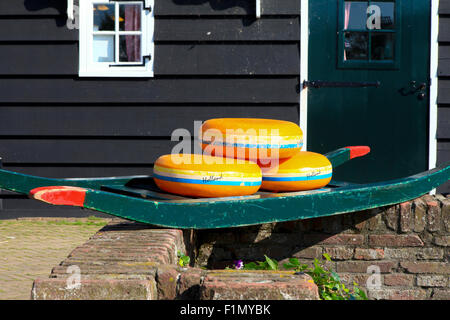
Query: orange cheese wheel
x=251, y=139
x=304, y=171
x=206, y=176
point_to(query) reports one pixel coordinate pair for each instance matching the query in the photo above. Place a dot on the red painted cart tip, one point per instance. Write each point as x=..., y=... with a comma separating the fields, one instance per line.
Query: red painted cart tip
x=358, y=151
x=60, y=195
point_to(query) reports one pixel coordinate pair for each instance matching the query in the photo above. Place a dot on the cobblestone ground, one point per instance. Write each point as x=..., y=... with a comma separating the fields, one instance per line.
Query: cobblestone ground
x=30, y=248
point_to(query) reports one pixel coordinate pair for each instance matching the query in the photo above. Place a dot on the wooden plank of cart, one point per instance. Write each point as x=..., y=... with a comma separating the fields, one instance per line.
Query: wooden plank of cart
x=137, y=198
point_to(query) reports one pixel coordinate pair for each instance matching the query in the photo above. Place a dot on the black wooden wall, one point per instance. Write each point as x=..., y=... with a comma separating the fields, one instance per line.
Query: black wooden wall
x=212, y=59
x=443, y=134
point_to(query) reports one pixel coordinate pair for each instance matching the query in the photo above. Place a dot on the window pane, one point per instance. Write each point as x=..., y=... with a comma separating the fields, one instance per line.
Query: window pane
x=356, y=45
x=130, y=49
x=103, y=49
x=104, y=16
x=382, y=46
x=130, y=17
x=355, y=14
x=387, y=14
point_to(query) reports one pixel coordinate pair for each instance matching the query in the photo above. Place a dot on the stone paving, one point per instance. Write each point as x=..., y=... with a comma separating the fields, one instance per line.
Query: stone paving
x=29, y=248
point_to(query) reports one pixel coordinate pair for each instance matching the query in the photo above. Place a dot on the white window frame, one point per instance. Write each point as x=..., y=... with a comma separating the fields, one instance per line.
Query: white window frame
x=89, y=68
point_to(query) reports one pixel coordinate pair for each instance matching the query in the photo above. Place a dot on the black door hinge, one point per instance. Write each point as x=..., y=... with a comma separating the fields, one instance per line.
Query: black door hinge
x=334, y=84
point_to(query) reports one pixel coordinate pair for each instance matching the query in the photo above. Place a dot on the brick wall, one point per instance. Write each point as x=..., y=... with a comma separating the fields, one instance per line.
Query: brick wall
x=408, y=243
x=132, y=261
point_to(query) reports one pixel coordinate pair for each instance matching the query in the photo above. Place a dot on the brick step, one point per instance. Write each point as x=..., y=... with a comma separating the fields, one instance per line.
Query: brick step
x=169, y=282
x=257, y=285
x=94, y=289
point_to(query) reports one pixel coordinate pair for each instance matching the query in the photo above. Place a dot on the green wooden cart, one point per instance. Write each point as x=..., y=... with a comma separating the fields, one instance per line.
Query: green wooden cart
x=138, y=198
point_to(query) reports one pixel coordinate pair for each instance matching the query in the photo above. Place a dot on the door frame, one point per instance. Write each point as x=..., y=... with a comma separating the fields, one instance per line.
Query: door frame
x=434, y=52
x=434, y=62
x=304, y=51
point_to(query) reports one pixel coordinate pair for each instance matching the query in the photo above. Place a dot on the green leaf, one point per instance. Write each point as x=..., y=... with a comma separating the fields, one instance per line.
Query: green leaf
x=335, y=276
x=250, y=266
x=360, y=294
x=272, y=263
x=183, y=260
x=327, y=256
x=303, y=267
x=294, y=261
x=289, y=266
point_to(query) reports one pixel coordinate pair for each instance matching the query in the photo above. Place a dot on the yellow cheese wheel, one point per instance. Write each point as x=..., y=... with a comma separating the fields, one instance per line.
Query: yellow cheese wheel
x=304, y=171
x=251, y=139
x=206, y=176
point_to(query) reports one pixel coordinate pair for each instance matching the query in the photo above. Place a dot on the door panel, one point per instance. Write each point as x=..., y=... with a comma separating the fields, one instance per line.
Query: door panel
x=370, y=42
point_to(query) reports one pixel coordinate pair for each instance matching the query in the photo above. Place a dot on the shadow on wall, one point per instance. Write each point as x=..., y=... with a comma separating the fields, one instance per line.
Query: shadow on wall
x=217, y=249
x=249, y=6
x=59, y=5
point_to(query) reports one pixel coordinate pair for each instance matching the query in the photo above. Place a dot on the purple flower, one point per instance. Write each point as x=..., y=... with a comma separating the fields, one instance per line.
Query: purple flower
x=238, y=264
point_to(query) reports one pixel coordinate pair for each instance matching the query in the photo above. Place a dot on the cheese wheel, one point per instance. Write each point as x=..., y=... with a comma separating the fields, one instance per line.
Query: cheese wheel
x=304, y=171
x=206, y=176
x=251, y=139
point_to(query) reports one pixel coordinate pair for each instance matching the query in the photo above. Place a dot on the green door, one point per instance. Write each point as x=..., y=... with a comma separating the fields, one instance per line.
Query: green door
x=369, y=84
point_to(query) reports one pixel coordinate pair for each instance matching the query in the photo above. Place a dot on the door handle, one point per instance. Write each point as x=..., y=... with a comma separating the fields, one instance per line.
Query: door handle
x=419, y=88
x=414, y=88
x=422, y=86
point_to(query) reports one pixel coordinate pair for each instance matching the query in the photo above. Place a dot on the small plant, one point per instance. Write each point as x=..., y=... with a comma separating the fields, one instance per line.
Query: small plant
x=269, y=264
x=328, y=282
x=183, y=260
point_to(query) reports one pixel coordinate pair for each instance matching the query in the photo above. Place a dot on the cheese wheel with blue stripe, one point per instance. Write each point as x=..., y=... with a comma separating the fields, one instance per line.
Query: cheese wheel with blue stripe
x=206, y=176
x=251, y=139
x=304, y=171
